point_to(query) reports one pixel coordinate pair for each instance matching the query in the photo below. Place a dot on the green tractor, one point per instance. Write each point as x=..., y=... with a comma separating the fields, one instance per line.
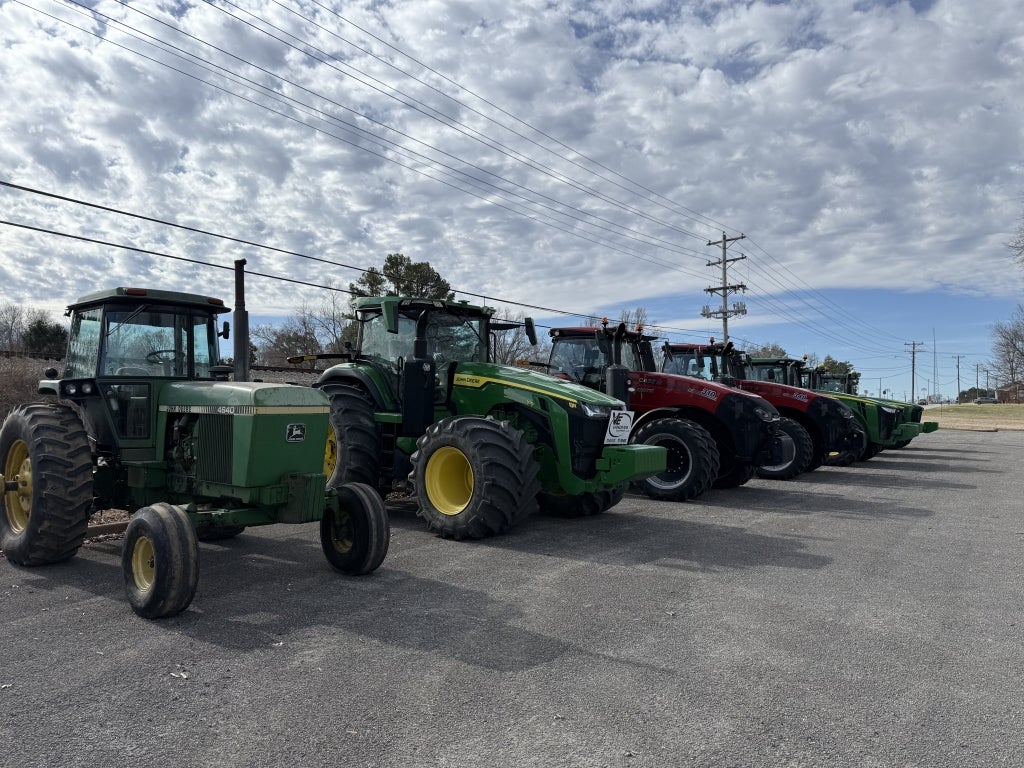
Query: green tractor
x=883, y=424
x=481, y=445
x=823, y=380
x=145, y=420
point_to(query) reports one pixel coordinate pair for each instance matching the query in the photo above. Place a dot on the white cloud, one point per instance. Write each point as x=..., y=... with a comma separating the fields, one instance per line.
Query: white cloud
x=864, y=145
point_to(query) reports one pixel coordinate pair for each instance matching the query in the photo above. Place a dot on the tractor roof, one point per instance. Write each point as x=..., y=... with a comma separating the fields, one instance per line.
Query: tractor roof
x=589, y=331
x=776, y=361
x=393, y=303
x=150, y=295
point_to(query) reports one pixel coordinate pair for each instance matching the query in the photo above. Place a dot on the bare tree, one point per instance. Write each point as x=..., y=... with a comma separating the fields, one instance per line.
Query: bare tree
x=12, y=327
x=330, y=321
x=511, y=346
x=767, y=350
x=1017, y=244
x=295, y=336
x=1008, y=347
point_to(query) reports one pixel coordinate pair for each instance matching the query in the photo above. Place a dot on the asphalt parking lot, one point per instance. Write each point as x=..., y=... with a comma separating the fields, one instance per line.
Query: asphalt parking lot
x=863, y=616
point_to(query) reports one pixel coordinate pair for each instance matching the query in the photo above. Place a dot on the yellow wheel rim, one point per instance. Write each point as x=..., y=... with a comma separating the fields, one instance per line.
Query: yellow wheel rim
x=449, y=480
x=331, y=451
x=18, y=503
x=144, y=563
x=341, y=533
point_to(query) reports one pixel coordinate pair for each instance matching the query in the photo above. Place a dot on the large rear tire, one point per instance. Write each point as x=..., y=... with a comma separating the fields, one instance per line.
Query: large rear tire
x=45, y=452
x=352, y=454
x=693, y=460
x=803, y=451
x=355, y=538
x=474, y=477
x=160, y=561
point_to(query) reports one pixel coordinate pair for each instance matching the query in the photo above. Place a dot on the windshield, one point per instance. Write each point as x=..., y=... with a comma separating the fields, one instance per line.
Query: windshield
x=688, y=364
x=157, y=341
x=583, y=358
x=450, y=338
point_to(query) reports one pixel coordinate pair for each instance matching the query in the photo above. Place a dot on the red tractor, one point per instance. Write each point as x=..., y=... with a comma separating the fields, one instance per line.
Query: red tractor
x=820, y=426
x=716, y=436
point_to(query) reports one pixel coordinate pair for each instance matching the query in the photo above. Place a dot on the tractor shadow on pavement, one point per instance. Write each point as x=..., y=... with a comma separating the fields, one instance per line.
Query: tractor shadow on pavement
x=790, y=499
x=270, y=594
x=626, y=536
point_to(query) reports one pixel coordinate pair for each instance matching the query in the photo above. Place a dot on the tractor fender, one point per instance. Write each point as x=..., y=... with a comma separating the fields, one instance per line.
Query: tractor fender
x=354, y=375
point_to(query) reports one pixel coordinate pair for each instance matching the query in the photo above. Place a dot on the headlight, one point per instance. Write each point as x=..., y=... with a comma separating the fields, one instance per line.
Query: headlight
x=595, y=411
x=887, y=409
x=71, y=389
x=764, y=414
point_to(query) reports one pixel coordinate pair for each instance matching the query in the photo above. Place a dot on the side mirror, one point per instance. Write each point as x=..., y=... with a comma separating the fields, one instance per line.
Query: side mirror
x=225, y=330
x=530, y=330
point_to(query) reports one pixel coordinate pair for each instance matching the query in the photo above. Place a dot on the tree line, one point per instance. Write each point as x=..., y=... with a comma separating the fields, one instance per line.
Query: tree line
x=31, y=332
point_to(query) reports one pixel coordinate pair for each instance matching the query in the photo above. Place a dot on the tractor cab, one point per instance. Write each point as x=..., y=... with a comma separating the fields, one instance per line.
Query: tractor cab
x=586, y=354
x=711, y=362
x=127, y=343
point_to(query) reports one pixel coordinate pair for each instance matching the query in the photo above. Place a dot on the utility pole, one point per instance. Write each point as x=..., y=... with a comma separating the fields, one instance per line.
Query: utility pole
x=957, y=376
x=738, y=308
x=913, y=362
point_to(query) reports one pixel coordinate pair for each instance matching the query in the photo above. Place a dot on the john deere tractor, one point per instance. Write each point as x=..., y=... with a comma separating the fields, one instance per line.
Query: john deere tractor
x=716, y=436
x=882, y=424
x=420, y=403
x=820, y=426
x=144, y=421
x=823, y=380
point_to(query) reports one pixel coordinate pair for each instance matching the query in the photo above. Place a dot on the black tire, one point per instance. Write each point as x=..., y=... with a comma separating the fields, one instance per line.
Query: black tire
x=355, y=538
x=803, y=450
x=45, y=450
x=848, y=457
x=352, y=438
x=160, y=561
x=474, y=477
x=580, y=505
x=735, y=476
x=869, y=452
x=614, y=496
x=693, y=460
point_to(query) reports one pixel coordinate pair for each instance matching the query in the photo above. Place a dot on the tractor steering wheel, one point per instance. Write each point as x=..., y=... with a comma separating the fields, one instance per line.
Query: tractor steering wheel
x=165, y=356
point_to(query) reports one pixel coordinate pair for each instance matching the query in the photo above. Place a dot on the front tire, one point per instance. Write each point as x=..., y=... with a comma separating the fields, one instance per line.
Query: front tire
x=44, y=449
x=693, y=460
x=803, y=451
x=849, y=456
x=160, y=561
x=474, y=477
x=355, y=537
x=733, y=477
x=870, y=451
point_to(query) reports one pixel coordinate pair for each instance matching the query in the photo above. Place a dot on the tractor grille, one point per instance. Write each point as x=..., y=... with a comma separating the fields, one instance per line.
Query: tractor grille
x=586, y=441
x=214, y=451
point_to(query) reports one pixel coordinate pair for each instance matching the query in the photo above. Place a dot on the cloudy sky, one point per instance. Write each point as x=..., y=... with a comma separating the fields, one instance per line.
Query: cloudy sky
x=574, y=156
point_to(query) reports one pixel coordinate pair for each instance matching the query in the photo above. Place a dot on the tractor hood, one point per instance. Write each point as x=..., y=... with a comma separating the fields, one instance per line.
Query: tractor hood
x=479, y=375
x=670, y=388
x=241, y=397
